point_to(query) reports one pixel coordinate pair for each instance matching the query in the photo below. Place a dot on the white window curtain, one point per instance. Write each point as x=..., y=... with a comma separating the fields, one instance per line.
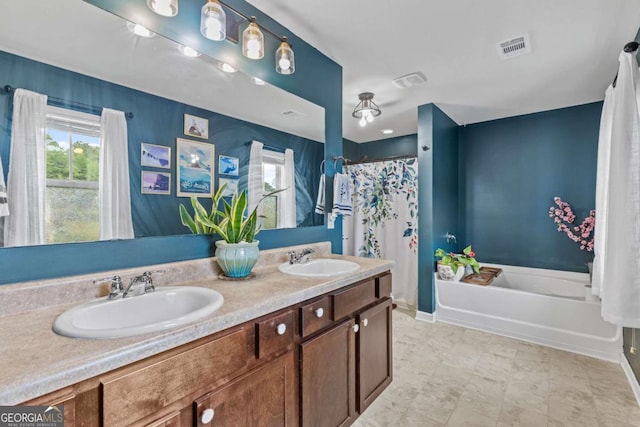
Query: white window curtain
x=256, y=177
x=27, y=171
x=287, y=205
x=617, y=267
x=114, y=198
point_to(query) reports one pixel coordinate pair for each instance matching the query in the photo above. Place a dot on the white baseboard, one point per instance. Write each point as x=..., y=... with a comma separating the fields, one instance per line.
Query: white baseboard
x=423, y=316
x=633, y=381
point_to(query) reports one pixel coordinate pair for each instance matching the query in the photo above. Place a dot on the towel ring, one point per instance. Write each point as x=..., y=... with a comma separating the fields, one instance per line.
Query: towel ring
x=322, y=167
x=335, y=164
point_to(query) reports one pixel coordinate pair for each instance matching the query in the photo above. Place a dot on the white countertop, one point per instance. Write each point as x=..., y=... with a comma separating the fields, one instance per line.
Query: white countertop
x=36, y=361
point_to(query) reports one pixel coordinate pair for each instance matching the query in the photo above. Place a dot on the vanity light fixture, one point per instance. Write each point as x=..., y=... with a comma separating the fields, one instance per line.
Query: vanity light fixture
x=285, y=62
x=253, y=40
x=257, y=81
x=188, y=51
x=366, y=110
x=213, y=21
x=167, y=8
x=140, y=30
x=227, y=68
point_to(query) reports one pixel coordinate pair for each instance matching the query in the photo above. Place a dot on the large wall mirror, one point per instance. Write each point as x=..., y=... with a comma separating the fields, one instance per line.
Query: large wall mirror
x=84, y=59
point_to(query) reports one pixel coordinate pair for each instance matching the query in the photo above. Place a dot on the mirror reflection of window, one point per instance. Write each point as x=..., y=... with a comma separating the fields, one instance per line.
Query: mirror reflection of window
x=71, y=195
x=273, y=174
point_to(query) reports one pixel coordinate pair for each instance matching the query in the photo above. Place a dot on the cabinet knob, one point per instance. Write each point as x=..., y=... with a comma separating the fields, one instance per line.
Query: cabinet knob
x=356, y=328
x=319, y=312
x=365, y=322
x=281, y=329
x=207, y=416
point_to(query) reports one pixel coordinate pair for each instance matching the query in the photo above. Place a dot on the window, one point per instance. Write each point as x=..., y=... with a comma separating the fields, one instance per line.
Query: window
x=273, y=173
x=71, y=195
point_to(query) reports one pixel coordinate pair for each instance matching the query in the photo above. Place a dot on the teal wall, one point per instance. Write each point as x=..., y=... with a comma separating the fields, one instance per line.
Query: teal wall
x=317, y=79
x=510, y=171
x=397, y=146
x=437, y=195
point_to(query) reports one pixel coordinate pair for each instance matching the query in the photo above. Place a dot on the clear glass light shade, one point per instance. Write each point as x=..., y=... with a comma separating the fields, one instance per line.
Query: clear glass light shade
x=253, y=42
x=189, y=52
x=285, y=62
x=213, y=21
x=164, y=7
x=227, y=68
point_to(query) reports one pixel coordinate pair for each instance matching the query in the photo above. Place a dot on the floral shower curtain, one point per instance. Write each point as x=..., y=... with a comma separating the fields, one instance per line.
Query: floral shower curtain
x=385, y=220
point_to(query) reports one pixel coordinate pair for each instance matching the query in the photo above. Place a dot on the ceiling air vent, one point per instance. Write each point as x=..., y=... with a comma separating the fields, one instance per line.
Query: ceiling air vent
x=293, y=114
x=413, y=79
x=514, y=47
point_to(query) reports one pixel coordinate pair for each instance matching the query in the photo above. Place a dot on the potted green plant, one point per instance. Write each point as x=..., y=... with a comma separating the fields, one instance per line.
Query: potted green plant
x=237, y=252
x=451, y=266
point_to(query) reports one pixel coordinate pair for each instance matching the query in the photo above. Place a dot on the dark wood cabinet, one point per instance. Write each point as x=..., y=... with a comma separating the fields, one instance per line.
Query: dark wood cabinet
x=327, y=377
x=265, y=397
x=345, y=368
x=375, y=348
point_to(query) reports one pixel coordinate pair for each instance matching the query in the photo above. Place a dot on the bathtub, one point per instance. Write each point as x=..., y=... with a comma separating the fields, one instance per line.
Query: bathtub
x=548, y=307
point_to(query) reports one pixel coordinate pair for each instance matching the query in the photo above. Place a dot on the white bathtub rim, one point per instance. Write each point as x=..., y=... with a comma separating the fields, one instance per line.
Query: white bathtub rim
x=633, y=381
x=560, y=274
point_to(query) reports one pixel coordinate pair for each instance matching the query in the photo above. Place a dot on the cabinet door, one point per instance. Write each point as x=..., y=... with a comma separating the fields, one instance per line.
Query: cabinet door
x=264, y=397
x=328, y=378
x=375, y=361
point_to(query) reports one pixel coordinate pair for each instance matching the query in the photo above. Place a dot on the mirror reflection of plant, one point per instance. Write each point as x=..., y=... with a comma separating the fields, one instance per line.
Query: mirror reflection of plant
x=467, y=257
x=231, y=223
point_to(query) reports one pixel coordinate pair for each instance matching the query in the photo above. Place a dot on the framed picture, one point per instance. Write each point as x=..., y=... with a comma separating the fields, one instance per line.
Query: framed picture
x=195, y=168
x=155, y=156
x=231, y=188
x=196, y=126
x=228, y=165
x=156, y=183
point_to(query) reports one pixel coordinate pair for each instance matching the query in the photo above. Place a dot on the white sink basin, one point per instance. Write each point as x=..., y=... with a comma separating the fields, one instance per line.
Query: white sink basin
x=322, y=267
x=166, y=308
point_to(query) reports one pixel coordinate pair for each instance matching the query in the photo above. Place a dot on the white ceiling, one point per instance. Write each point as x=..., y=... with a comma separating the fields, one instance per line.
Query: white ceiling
x=75, y=35
x=575, y=46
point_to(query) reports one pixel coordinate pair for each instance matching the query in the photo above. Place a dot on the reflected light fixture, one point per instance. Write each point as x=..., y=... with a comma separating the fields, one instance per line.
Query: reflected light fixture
x=258, y=81
x=188, y=51
x=139, y=30
x=213, y=21
x=285, y=62
x=387, y=131
x=227, y=68
x=164, y=7
x=366, y=110
x=253, y=40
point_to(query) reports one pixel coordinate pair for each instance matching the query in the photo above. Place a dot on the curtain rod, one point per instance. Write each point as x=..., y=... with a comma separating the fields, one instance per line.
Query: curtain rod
x=59, y=102
x=268, y=147
x=364, y=159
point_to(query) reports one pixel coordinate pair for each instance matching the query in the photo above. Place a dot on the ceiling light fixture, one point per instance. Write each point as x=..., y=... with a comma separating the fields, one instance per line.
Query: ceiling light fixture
x=227, y=68
x=188, y=51
x=285, y=61
x=387, y=131
x=139, y=30
x=213, y=25
x=164, y=7
x=253, y=41
x=366, y=110
x=213, y=21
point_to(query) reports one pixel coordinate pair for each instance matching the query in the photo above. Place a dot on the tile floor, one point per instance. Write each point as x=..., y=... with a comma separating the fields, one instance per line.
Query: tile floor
x=447, y=375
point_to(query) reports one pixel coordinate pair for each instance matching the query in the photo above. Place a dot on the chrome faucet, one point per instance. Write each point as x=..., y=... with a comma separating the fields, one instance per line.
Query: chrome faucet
x=301, y=257
x=116, y=289
x=144, y=279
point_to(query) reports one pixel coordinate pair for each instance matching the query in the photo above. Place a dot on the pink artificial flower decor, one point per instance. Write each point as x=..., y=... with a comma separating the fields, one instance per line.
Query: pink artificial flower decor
x=563, y=217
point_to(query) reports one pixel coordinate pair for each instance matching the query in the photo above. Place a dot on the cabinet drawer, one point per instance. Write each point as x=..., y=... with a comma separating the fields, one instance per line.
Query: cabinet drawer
x=383, y=286
x=275, y=334
x=137, y=393
x=315, y=316
x=350, y=300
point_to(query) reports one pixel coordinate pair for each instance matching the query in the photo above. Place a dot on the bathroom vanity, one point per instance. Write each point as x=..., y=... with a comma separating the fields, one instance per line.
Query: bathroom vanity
x=293, y=351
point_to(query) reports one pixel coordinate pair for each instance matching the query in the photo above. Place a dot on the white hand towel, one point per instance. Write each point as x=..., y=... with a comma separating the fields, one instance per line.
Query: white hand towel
x=4, y=203
x=320, y=202
x=341, y=195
